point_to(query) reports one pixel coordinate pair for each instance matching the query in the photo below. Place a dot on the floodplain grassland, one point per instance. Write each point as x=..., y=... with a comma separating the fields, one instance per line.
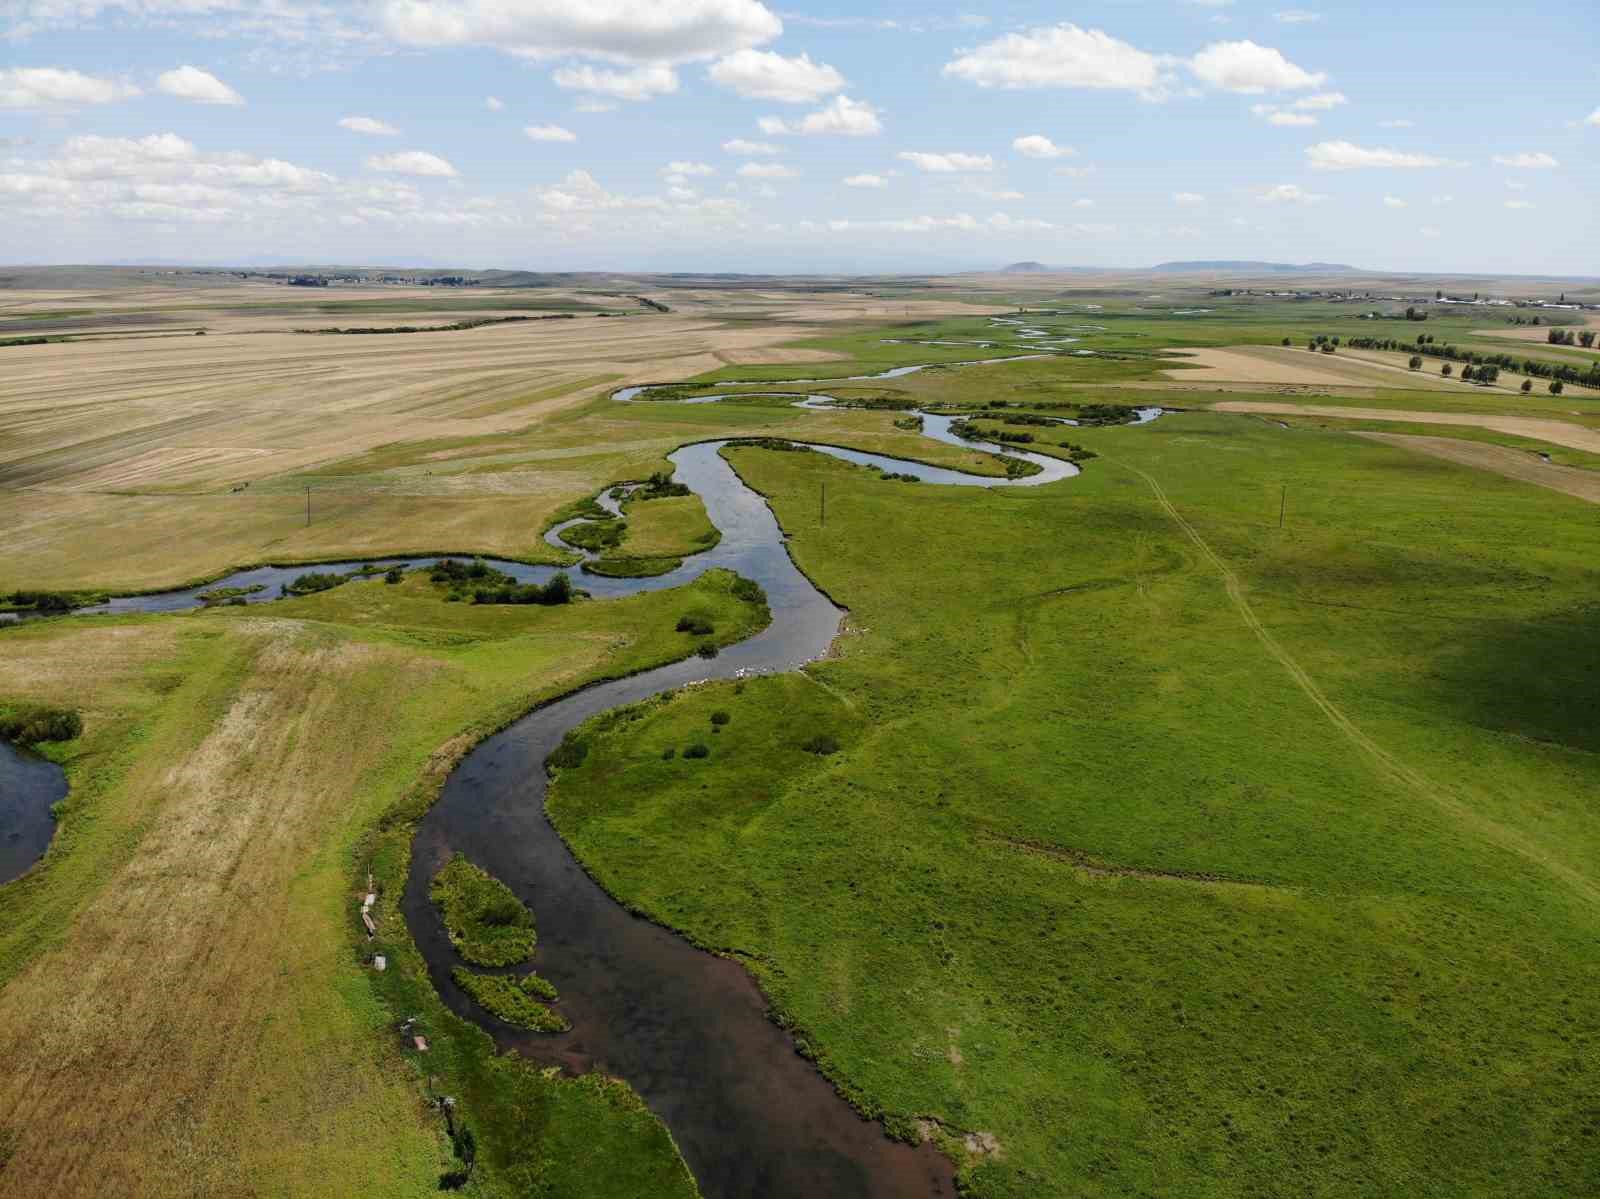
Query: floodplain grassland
x=187, y=953
x=1172, y=884
x=1176, y=852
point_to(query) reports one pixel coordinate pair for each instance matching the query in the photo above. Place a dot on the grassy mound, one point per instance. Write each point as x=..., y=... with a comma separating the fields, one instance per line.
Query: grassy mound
x=511, y=999
x=488, y=925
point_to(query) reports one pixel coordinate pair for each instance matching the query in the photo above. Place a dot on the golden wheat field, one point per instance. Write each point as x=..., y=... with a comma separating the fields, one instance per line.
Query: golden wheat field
x=190, y=454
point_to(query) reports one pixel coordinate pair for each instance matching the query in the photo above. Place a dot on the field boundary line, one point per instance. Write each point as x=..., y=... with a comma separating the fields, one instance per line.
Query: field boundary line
x=1386, y=761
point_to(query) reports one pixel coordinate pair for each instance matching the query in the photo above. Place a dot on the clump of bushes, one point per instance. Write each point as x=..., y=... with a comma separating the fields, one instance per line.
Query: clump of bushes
x=557, y=591
x=393, y=575
x=219, y=594
x=31, y=725
x=822, y=745
x=660, y=486
x=720, y=717
x=507, y=998
x=695, y=623
x=312, y=582
x=597, y=535
x=570, y=753
x=748, y=590
x=42, y=601
x=487, y=923
x=772, y=443
x=698, y=750
x=895, y=476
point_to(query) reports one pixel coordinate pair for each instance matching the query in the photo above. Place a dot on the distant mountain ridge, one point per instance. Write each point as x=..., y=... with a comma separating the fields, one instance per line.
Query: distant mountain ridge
x=1255, y=268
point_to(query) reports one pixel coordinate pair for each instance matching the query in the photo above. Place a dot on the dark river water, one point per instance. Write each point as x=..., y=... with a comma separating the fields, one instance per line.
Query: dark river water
x=29, y=785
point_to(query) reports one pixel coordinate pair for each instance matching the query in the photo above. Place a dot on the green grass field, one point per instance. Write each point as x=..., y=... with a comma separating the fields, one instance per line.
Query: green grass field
x=1096, y=872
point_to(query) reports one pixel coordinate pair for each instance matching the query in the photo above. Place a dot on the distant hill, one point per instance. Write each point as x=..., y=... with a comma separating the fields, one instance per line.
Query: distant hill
x=1023, y=268
x=1253, y=268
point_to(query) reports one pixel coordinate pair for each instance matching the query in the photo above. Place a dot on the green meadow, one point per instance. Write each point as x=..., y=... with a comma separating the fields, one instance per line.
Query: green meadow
x=1182, y=853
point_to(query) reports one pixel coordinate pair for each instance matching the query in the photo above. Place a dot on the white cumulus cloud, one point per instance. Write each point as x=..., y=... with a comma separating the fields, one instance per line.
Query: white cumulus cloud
x=763, y=75
x=681, y=168
x=200, y=87
x=614, y=30
x=1249, y=69
x=52, y=87
x=1593, y=118
x=368, y=125
x=739, y=145
x=549, y=133
x=412, y=162
x=843, y=116
x=1036, y=145
x=866, y=181
x=767, y=170
x=1347, y=156
x=636, y=84
x=1539, y=161
x=947, y=163
x=1059, y=56
x=1288, y=193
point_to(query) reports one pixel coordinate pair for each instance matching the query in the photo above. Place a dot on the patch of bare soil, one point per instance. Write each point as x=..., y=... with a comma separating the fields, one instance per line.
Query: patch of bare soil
x=1502, y=460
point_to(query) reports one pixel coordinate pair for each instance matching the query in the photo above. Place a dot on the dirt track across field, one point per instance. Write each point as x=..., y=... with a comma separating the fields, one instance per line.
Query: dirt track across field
x=1502, y=460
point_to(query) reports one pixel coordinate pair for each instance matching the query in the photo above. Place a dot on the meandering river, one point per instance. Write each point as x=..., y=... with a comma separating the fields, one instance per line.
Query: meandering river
x=687, y=1029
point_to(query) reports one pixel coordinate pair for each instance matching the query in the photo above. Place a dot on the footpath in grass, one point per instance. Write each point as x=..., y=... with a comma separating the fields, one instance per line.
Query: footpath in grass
x=1092, y=873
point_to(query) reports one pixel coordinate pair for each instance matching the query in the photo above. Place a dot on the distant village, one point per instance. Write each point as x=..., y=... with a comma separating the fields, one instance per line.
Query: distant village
x=1345, y=296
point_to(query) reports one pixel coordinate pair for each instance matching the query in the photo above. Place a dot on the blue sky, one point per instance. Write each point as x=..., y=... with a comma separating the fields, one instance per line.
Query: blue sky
x=740, y=136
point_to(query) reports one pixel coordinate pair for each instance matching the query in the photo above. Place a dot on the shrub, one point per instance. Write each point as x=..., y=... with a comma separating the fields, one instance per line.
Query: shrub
x=557, y=591
x=393, y=575
x=1416, y=362
x=1556, y=387
x=748, y=590
x=720, y=717
x=698, y=750
x=570, y=753
x=696, y=624
x=31, y=725
x=487, y=923
x=822, y=745
x=1527, y=386
x=308, y=584
x=706, y=650
x=668, y=754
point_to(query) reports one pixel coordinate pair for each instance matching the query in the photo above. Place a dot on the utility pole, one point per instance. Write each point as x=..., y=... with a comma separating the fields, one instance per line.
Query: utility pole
x=1283, y=502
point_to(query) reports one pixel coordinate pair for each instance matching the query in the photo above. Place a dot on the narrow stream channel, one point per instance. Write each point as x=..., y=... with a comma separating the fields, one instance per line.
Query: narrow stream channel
x=29, y=787
x=687, y=1029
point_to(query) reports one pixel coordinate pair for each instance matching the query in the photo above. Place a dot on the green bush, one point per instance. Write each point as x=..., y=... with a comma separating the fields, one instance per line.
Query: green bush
x=393, y=575
x=487, y=923
x=748, y=590
x=822, y=745
x=308, y=584
x=698, y=625
x=29, y=726
x=557, y=591
x=720, y=717
x=698, y=750
x=571, y=752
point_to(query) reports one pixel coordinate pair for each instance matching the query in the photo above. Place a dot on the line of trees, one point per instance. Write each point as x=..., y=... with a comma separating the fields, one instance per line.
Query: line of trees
x=1565, y=337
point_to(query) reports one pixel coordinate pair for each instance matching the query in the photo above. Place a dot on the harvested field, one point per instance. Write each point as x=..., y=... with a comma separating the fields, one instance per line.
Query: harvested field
x=1279, y=364
x=1513, y=464
x=1558, y=432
